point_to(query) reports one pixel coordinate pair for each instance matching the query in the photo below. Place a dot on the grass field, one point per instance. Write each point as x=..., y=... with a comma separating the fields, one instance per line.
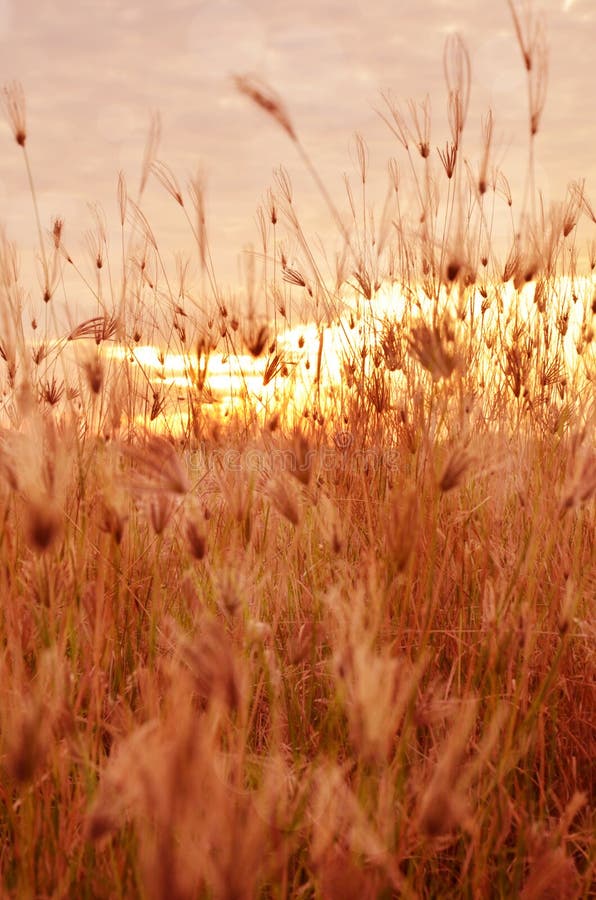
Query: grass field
x=329, y=631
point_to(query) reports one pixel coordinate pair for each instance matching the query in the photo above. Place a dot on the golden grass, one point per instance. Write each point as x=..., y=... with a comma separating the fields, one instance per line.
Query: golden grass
x=345, y=650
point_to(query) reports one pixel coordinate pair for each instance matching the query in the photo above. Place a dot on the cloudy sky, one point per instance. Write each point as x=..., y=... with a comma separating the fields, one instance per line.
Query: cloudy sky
x=94, y=71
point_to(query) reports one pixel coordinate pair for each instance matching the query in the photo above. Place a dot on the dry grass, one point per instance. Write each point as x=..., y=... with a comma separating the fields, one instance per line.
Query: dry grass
x=340, y=651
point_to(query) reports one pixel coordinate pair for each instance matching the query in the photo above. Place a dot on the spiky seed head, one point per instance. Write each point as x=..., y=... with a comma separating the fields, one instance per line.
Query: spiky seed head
x=43, y=524
x=197, y=541
x=263, y=95
x=455, y=469
x=13, y=100
x=161, y=508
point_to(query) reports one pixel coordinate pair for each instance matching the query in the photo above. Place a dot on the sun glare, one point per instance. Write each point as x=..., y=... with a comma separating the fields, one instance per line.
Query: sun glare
x=306, y=367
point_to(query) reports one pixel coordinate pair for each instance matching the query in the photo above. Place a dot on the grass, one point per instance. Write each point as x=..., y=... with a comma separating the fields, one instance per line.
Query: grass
x=336, y=647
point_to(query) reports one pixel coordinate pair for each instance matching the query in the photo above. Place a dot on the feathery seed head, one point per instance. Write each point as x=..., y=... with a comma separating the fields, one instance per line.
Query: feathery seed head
x=158, y=466
x=455, y=469
x=43, y=524
x=161, y=508
x=94, y=373
x=301, y=458
x=284, y=500
x=13, y=100
x=265, y=97
x=195, y=536
x=57, y=228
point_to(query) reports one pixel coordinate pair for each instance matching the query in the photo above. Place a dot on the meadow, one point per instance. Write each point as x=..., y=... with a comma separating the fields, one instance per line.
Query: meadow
x=327, y=631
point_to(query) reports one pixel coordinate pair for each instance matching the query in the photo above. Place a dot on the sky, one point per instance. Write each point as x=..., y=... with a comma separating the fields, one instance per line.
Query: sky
x=93, y=73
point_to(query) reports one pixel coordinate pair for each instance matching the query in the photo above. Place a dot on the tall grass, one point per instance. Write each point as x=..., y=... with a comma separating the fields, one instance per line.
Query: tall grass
x=339, y=643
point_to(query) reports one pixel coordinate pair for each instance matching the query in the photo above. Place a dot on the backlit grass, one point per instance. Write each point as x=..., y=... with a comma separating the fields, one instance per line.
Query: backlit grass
x=302, y=605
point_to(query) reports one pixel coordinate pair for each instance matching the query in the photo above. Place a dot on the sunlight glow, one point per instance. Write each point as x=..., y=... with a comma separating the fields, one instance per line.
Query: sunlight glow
x=306, y=370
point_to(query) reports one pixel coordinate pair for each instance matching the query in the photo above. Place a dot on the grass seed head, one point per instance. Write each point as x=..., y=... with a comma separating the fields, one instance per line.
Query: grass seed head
x=430, y=346
x=157, y=466
x=455, y=469
x=43, y=523
x=13, y=100
x=161, y=508
x=302, y=458
x=283, y=499
x=112, y=520
x=197, y=541
x=27, y=748
x=94, y=373
x=263, y=95
x=552, y=876
x=211, y=660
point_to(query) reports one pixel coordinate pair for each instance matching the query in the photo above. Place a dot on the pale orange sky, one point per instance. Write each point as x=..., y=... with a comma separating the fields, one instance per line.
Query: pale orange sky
x=93, y=72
